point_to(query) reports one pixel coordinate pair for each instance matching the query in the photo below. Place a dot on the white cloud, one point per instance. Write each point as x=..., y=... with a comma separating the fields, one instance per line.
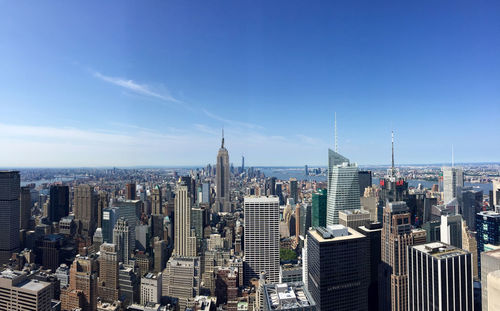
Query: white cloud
x=142, y=89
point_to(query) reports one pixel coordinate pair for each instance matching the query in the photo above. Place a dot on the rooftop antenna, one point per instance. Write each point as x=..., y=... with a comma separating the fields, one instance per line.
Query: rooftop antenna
x=452, y=156
x=392, y=166
x=222, y=137
x=335, y=124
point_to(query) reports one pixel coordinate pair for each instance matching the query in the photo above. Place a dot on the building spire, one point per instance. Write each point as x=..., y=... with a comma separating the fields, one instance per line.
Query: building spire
x=222, y=146
x=335, y=125
x=392, y=166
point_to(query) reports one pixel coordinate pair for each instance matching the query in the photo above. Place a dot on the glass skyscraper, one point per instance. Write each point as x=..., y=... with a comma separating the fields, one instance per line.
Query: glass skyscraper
x=319, y=208
x=343, y=186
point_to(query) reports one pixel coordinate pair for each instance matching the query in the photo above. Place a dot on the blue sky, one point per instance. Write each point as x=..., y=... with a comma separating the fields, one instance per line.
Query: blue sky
x=123, y=83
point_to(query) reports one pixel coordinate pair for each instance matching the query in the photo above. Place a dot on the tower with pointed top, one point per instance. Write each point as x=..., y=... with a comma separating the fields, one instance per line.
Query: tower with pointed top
x=222, y=198
x=343, y=184
x=393, y=187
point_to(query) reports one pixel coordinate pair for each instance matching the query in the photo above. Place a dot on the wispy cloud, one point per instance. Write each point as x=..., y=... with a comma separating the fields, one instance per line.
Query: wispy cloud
x=135, y=87
x=231, y=122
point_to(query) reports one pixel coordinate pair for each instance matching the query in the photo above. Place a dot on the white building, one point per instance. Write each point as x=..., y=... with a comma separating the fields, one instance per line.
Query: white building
x=439, y=278
x=151, y=288
x=262, y=237
x=19, y=293
x=343, y=187
x=452, y=178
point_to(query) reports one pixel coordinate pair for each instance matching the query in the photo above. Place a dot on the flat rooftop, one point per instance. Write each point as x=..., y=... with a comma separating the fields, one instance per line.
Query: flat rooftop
x=440, y=250
x=493, y=253
x=334, y=233
x=287, y=296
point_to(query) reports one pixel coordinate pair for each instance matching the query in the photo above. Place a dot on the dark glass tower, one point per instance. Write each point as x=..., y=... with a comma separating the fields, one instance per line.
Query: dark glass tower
x=319, y=208
x=59, y=203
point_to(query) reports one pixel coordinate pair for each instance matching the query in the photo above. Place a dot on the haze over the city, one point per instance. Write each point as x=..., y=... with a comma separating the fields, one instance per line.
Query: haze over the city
x=121, y=84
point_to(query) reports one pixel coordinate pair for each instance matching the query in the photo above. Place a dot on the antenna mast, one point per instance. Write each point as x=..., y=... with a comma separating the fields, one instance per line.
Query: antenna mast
x=335, y=123
x=392, y=166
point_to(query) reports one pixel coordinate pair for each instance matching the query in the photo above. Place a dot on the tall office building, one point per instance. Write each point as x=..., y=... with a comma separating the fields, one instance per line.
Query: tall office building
x=59, y=203
x=439, y=278
x=470, y=201
x=156, y=202
x=343, y=187
x=365, y=180
x=160, y=254
x=131, y=211
x=19, y=292
x=242, y=164
x=294, y=192
x=451, y=230
x=10, y=183
x=262, y=237
x=393, y=187
x=131, y=191
x=205, y=192
x=82, y=289
x=102, y=203
x=181, y=279
x=319, y=199
x=469, y=244
x=338, y=275
x=306, y=170
x=223, y=196
x=396, y=236
x=107, y=284
x=488, y=232
x=184, y=241
x=25, y=211
x=151, y=288
x=109, y=217
x=373, y=233
x=85, y=209
x=452, y=179
x=122, y=238
x=490, y=261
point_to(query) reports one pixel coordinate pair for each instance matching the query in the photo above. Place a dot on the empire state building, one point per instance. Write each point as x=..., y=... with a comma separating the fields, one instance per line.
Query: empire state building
x=222, y=198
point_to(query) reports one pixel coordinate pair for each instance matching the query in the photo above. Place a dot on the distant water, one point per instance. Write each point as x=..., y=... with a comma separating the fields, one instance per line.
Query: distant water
x=286, y=173
x=485, y=187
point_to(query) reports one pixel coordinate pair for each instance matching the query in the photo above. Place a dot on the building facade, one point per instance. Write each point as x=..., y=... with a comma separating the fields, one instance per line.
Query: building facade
x=262, y=237
x=10, y=185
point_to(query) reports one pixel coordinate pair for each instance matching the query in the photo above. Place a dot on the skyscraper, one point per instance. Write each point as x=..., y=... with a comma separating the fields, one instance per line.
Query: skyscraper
x=107, y=284
x=122, y=238
x=223, y=196
x=85, y=209
x=365, y=180
x=452, y=179
x=156, y=204
x=181, y=279
x=319, y=199
x=471, y=202
x=294, y=192
x=82, y=289
x=338, y=273
x=185, y=243
x=439, y=278
x=25, y=211
x=102, y=203
x=59, y=203
x=109, y=217
x=488, y=232
x=343, y=187
x=20, y=292
x=373, y=233
x=10, y=183
x=262, y=237
x=130, y=191
x=451, y=230
x=396, y=236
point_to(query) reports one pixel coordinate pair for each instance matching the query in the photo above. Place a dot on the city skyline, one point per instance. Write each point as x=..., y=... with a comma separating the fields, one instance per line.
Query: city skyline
x=155, y=84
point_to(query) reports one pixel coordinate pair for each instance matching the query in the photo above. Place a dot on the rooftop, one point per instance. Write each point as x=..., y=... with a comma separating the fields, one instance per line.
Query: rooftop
x=440, y=250
x=334, y=233
x=489, y=214
x=286, y=296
